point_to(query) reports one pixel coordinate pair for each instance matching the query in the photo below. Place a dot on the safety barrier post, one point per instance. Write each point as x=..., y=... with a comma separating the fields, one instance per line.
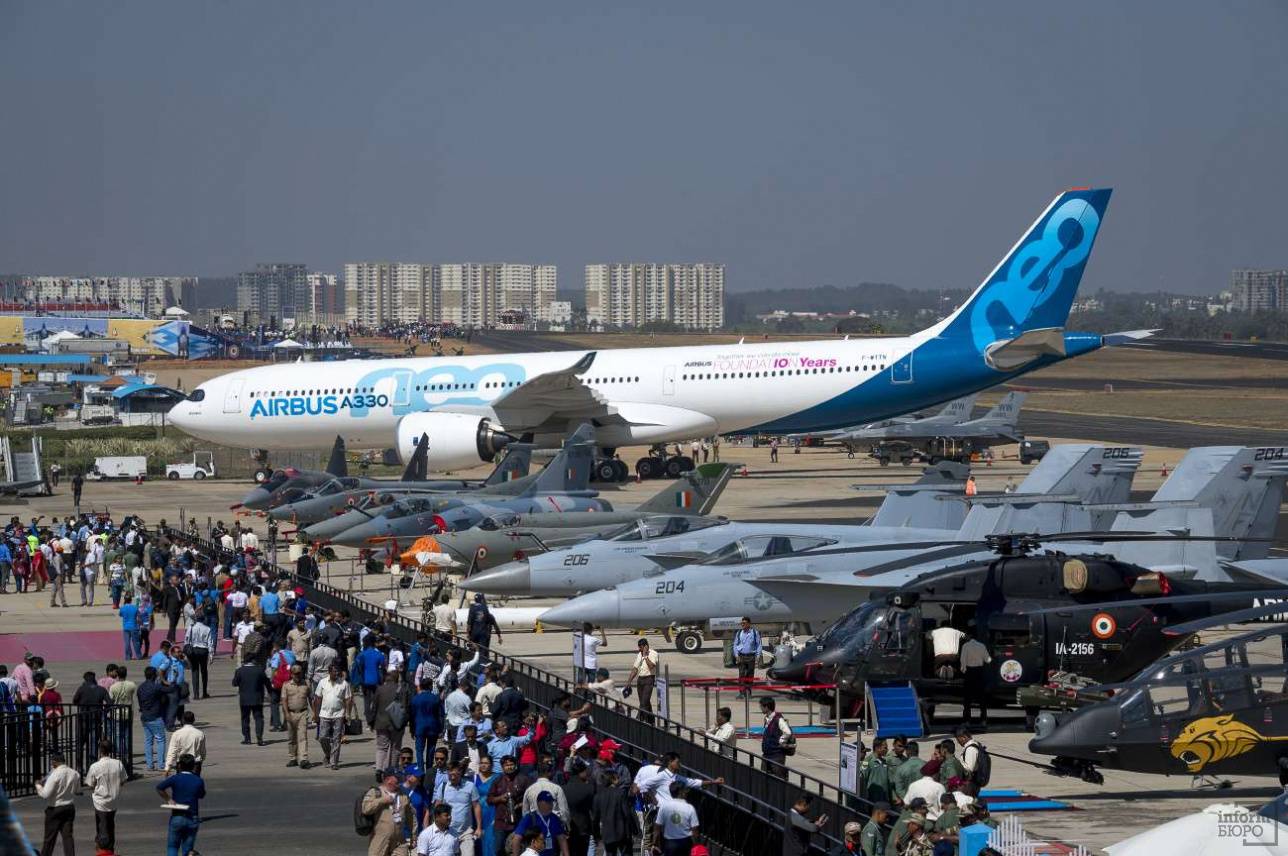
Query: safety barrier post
x=706, y=704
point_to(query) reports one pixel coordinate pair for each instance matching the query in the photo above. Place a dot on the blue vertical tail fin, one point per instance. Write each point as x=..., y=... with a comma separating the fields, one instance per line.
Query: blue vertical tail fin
x=1033, y=286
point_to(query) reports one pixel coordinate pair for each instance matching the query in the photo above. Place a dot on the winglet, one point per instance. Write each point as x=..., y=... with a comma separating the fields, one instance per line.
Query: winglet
x=583, y=365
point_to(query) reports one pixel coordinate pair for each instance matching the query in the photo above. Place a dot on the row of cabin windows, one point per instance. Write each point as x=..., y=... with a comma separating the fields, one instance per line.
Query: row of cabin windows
x=784, y=372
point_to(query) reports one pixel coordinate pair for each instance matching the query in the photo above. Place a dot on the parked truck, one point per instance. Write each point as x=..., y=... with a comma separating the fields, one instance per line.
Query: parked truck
x=119, y=467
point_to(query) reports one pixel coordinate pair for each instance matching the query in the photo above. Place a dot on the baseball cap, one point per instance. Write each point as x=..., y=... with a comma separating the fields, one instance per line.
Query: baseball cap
x=853, y=828
x=546, y=797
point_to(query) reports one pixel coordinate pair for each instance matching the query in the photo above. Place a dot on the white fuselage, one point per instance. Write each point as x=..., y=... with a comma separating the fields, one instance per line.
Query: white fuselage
x=661, y=394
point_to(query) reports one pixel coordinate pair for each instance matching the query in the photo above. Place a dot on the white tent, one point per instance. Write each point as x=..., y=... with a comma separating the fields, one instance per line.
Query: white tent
x=177, y=312
x=48, y=343
x=288, y=343
x=1218, y=830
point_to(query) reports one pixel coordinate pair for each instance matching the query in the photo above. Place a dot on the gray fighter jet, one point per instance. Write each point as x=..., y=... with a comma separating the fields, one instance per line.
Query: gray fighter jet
x=930, y=440
x=341, y=493
x=562, y=487
x=1070, y=476
x=289, y=483
x=954, y=412
x=643, y=547
x=1229, y=489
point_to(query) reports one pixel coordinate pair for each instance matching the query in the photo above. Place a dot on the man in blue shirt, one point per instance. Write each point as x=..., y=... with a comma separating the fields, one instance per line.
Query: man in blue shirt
x=369, y=668
x=185, y=788
x=503, y=744
x=746, y=650
x=130, y=627
x=6, y=562
x=467, y=814
x=270, y=606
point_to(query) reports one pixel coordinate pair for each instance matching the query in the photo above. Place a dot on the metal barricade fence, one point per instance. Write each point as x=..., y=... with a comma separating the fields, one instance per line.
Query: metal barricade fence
x=750, y=792
x=29, y=735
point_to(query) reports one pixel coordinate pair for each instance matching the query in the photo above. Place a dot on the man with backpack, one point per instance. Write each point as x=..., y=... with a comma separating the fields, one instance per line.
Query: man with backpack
x=746, y=650
x=777, y=740
x=975, y=760
x=384, y=813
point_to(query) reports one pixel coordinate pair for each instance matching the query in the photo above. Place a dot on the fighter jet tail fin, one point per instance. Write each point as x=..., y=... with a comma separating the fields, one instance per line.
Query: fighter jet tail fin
x=1007, y=411
x=570, y=469
x=1241, y=489
x=918, y=504
x=417, y=465
x=958, y=410
x=515, y=464
x=338, y=465
x=695, y=493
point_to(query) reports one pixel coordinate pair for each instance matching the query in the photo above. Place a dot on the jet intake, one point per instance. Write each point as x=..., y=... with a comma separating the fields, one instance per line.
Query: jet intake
x=456, y=440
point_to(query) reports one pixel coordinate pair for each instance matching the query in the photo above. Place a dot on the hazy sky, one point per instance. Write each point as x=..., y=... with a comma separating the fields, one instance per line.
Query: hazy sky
x=799, y=143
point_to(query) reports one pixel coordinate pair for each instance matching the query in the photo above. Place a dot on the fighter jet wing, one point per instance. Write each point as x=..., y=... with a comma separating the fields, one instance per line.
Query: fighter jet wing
x=559, y=392
x=1259, y=571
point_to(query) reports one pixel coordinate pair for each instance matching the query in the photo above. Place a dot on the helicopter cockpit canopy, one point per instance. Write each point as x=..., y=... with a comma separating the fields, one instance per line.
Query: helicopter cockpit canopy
x=765, y=547
x=876, y=624
x=661, y=526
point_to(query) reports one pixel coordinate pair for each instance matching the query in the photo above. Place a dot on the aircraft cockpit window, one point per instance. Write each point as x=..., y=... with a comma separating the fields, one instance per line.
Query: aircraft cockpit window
x=1177, y=700
x=627, y=532
x=499, y=521
x=765, y=547
x=331, y=488
x=197, y=395
x=849, y=624
x=1134, y=709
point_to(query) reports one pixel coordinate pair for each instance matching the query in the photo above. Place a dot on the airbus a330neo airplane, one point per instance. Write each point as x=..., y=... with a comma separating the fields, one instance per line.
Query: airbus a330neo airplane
x=472, y=406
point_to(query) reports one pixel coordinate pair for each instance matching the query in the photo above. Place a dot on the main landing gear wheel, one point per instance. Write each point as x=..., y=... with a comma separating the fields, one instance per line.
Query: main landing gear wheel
x=688, y=642
x=686, y=464
x=673, y=468
x=621, y=472
x=262, y=475
x=605, y=471
x=648, y=468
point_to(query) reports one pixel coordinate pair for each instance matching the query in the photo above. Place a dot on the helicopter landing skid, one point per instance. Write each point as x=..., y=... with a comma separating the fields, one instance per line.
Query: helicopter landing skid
x=1084, y=770
x=1209, y=782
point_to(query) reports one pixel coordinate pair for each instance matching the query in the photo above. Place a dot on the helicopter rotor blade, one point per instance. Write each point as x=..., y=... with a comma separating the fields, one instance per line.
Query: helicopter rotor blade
x=1161, y=600
x=1239, y=615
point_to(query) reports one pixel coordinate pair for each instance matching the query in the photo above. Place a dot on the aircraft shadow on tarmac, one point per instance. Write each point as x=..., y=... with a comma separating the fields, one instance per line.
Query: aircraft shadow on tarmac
x=1208, y=795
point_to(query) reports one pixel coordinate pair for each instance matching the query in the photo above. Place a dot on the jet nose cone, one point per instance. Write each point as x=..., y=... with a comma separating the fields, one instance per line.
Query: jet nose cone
x=257, y=499
x=282, y=512
x=358, y=536
x=599, y=607
x=510, y=578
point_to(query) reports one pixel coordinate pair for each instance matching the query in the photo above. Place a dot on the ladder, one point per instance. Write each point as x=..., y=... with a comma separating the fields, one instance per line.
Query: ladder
x=893, y=709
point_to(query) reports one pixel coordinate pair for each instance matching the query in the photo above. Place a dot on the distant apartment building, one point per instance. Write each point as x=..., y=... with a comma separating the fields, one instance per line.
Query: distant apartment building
x=275, y=291
x=1258, y=290
x=325, y=301
x=146, y=296
x=467, y=294
x=632, y=294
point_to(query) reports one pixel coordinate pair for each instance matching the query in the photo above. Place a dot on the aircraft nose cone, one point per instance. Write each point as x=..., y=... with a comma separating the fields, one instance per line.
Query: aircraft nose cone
x=257, y=499
x=599, y=607
x=510, y=578
x=357, y=536
x=282, y=512
x=324, y=529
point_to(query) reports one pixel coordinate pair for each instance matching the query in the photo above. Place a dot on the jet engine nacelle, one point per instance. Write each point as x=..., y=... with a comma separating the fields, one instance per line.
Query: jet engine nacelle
x=456, y=440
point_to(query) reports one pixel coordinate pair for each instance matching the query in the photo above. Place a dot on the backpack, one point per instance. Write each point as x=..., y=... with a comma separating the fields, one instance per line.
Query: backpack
x=282, y=673
x=363, y=824
x=983, y=767
x=397, y=713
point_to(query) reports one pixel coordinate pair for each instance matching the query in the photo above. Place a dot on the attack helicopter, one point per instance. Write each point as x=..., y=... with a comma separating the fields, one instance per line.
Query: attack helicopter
x=1024, y=608
x=1216, y=710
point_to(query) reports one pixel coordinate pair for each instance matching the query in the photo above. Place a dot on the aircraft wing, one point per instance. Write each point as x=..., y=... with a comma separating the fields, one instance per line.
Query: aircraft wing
x=559, y=392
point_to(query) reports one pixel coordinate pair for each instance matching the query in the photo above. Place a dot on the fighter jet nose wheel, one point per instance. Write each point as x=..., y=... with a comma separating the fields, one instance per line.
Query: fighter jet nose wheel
x=688, y=642
x=262, y=475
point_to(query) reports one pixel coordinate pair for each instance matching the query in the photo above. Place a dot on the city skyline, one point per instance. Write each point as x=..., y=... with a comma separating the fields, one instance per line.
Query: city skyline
x=831, y=144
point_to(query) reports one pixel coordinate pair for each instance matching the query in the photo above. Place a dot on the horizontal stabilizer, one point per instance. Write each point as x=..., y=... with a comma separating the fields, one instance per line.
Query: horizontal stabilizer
x=1128, y=336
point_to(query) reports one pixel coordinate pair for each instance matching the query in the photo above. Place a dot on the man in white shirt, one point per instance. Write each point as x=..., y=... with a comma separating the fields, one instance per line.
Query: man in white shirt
x=487, y=693
x=249, y=542
x=105, y=776
x=585, y=651
x=332, y=703
x=928, y=788
x=226, y=541
x=444, y=619
x=644, y=674
x=946, y=641
x=437, y=838
x=186, y=740
x=724, y=734
x=676, y=823
x=456, y=707
x=59, y=790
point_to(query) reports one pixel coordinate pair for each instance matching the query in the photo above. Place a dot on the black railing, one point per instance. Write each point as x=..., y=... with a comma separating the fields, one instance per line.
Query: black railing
x=29, y=735
x=751, y=809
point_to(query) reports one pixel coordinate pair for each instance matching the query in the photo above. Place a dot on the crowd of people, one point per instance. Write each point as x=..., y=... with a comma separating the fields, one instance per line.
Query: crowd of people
x=463, y=764
x=928, y=800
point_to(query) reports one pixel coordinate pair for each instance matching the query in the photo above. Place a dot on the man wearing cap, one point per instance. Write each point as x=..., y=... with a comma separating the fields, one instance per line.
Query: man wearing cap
x=850, y=841
x=927, y=788
x=545, y=821
x=872, y=840
x=899, y=835
x=390, y=812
